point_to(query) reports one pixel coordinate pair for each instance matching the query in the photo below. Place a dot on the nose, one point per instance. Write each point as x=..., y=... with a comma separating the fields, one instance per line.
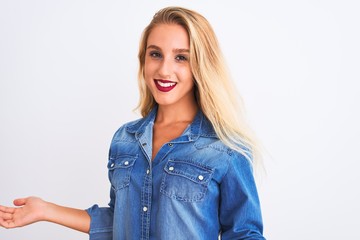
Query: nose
x=165, y=68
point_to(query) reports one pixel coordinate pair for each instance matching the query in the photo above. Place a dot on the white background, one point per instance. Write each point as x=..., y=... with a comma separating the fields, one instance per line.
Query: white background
x=68, y=81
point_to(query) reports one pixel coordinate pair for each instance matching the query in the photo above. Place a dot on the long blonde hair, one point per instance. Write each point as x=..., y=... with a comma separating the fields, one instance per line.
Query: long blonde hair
x=215, y=93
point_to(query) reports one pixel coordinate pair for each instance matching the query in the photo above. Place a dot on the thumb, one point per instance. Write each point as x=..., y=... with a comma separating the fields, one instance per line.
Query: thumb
x=20, y=201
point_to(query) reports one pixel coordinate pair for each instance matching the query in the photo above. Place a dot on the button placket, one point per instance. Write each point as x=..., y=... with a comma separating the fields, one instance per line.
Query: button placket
x=146, y=196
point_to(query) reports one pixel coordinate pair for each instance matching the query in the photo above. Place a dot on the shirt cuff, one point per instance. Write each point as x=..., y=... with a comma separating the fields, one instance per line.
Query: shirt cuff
x=101, y=224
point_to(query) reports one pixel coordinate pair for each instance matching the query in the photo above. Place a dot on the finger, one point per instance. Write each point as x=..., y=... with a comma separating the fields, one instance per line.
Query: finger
x=20, y=201
x=7, y=209
x=3, y=223
x=7, y=223
x=6, y=216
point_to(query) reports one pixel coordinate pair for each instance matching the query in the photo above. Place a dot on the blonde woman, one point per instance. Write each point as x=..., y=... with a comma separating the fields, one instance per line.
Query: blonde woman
x=184, y=170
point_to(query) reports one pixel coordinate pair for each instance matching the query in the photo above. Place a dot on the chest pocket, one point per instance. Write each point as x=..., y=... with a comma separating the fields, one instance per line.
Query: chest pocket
x=185, y=180
x=120, y=170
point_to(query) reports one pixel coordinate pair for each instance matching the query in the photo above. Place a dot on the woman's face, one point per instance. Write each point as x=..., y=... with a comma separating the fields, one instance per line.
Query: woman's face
x=167, y=69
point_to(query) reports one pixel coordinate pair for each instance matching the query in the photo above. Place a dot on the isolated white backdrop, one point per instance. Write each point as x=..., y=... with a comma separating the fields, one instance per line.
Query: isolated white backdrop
x=68, y=81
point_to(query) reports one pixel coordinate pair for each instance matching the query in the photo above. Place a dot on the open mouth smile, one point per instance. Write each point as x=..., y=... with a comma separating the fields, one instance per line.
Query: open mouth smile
x=164, y=85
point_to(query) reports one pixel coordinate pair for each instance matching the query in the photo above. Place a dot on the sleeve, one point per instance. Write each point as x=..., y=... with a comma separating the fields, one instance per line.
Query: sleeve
x=101, y=223
x=240, y=213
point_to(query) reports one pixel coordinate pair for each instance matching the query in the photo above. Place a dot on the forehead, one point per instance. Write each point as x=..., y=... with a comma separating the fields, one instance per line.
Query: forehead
x=169, y=36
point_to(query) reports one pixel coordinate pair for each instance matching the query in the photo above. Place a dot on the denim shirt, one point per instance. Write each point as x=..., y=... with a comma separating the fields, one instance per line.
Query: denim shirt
x=195, y=188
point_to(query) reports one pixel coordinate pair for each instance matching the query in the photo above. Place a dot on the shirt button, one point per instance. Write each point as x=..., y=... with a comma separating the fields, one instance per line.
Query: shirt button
x=112, y=165
x=147, y=171
x=201, y=177
x=145, y=209
x=126, y=163
x=171, y=168
x=170, y=144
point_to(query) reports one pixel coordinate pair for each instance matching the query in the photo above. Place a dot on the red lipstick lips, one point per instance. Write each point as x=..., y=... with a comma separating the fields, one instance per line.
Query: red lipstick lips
x=164, y=85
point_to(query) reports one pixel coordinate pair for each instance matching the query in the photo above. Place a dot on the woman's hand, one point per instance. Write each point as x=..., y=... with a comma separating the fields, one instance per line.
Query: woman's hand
x=29, y=210
x=33, y=209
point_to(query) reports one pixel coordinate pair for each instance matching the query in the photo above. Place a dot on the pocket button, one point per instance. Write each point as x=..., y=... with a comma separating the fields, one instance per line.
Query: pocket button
x=201, y=177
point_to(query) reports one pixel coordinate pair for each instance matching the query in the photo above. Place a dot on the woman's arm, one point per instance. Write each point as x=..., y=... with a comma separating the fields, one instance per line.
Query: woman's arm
x=32, y=209
x=240, y=213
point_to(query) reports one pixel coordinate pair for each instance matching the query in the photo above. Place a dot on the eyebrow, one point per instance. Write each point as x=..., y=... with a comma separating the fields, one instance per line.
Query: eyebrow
x=175, y=50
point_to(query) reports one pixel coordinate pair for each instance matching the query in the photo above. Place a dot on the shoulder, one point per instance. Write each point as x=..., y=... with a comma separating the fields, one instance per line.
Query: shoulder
x=214, y=152
x=217, y=146
x=209, y=141
x=126, y=130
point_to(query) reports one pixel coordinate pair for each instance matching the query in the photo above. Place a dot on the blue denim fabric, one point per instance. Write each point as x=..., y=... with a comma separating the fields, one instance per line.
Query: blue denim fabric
x=195, y=188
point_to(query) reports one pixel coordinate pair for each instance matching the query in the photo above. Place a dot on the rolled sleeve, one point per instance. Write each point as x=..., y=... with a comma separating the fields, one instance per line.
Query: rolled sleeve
x=101, y=225
x=240, y=214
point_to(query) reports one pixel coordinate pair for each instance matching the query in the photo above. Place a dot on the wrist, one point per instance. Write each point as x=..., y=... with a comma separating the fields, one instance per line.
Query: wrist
x=48, y=212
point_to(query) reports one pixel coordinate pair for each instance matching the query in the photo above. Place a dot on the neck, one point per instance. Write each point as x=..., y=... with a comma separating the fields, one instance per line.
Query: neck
x=169, y=114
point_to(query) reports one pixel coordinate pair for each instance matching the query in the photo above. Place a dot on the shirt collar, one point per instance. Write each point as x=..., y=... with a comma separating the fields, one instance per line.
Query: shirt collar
x=200, y=127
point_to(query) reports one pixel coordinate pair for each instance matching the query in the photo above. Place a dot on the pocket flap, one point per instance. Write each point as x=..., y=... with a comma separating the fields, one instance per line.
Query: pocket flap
x=122, y=161
x=191, y=170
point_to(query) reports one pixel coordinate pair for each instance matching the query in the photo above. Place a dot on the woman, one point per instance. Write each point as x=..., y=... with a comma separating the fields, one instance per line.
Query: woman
x=184, y=170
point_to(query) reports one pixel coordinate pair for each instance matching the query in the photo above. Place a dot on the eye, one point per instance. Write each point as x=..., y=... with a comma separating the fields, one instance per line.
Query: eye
x=155, y=54
x=181, y=58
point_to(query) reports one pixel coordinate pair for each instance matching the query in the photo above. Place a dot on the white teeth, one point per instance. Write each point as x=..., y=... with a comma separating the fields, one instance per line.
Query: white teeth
x=166, y=84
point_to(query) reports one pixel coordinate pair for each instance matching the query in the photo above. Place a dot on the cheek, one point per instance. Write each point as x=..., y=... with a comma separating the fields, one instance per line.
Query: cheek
x=148, y=69
x=146, y=72
x=186, y=74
